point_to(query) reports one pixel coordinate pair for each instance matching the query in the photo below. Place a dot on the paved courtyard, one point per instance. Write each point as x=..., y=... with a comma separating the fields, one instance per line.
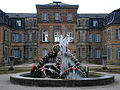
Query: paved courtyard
x=5, y=84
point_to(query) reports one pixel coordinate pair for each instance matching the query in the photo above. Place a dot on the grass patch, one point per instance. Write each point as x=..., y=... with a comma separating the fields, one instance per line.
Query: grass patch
x=16, y=70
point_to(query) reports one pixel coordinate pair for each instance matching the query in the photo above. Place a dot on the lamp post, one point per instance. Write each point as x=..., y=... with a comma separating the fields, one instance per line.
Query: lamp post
x=104, y=61
x=11, y=63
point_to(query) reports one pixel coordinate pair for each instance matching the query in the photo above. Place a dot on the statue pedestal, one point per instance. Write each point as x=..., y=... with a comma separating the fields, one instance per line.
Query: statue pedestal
x=11, y=63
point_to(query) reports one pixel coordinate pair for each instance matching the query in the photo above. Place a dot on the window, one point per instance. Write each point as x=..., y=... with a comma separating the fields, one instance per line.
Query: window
x=97, y=37
x=95, y=23
x=45, y=36
x=83, y=23
x=69, y=33
x=109, y=53
x=56, y=35
x=94, y=37
x=30, y=36
x=17, y=37
x=57, y=16
x=24, y=40
x=35, y=51
x=30, y=53
x=104, y=51
x=18, y=23
x=9, y=36
x=78, y=36
x=69, y=17
x=5, y=53
x=97, y=53
x=6, y=35
x=17, y=53
x=117, y=53
x=83, y=53
x=90, y=37
x=35, y=36
x=117, y=34
x=106, y=35
x=79, y=23
x=93, y=53
x=83, y=36
x=45, y=52
x=44, y=16
x=89, y=50
x=78, y=52
x=109, y=34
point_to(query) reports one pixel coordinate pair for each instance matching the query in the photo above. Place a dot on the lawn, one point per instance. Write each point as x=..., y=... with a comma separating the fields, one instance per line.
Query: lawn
x=111, y=69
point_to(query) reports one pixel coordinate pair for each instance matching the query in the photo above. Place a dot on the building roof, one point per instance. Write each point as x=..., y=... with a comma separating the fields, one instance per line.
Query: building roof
x=57, y=3
x=92, y=15
x=21, y=15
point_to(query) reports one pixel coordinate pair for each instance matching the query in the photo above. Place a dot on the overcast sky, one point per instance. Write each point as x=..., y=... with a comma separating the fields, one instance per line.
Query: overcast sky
x=85, y=6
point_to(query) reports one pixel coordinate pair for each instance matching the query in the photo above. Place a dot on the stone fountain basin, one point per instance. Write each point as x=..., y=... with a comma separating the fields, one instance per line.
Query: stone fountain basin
x=24, y=79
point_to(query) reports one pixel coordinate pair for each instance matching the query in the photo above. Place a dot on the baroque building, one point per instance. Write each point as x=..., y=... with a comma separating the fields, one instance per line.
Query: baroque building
x=30, y=36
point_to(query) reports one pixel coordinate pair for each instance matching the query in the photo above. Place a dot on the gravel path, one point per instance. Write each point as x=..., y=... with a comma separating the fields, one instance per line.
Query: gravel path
x=5, y=84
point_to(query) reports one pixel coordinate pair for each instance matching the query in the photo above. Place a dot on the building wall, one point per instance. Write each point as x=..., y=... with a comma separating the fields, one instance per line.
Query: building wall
x=5, y=44
x=93, y=36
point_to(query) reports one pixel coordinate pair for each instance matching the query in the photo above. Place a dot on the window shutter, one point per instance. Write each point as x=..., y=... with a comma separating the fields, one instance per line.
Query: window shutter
x=20, y=52
x=116, y=34
x=94, y=53
x=14, y=37
x=20, y=37
x=116, y=53
x=94, y=37
x=102, y=36
x=11, y=37
x=109, y=53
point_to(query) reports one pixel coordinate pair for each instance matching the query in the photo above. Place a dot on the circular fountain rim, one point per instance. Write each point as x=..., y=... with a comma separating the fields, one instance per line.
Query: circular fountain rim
x=47, y=82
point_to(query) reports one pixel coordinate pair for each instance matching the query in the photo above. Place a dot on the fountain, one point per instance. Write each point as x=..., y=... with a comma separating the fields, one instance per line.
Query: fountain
x=67, y=71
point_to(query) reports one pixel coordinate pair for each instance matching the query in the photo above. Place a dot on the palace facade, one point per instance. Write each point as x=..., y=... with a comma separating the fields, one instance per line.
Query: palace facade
x=30, y=36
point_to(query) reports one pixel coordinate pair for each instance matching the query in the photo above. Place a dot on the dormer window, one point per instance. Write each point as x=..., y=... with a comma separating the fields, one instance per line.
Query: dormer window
x=95, y=23
x=18, y=23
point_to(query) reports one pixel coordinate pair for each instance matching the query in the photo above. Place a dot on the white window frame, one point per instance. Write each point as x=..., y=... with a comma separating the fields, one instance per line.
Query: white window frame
x=30, y=36
x=79, y=53
x=30, y=52
x=83, y=53
x=16, y=37
x=16, y=53
x=98, y=37
x=69, y=34
x=95, y=23
x=56, y=35
x=18, y=23
x=97, y=53
x=45, y=52
x=45, y=36
x=83, y=36
x=90, y=37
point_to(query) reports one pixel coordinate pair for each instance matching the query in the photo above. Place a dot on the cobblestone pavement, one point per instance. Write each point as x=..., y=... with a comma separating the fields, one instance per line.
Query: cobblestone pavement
x=5, y=84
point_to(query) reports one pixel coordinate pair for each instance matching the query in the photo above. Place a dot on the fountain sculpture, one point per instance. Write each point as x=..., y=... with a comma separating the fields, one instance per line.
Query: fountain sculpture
x=66, y=67
x=67, y=71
